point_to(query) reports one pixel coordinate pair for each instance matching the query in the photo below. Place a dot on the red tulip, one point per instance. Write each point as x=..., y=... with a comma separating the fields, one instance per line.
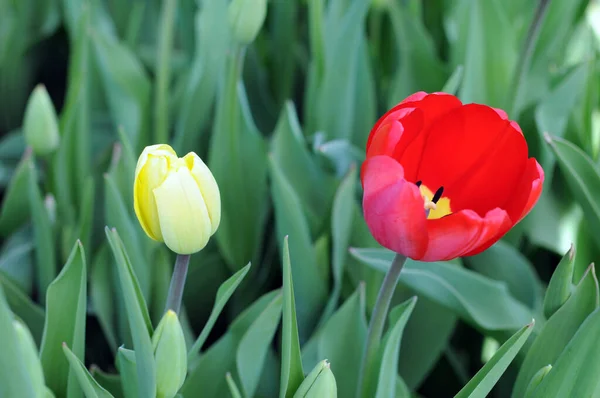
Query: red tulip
x=444, y=179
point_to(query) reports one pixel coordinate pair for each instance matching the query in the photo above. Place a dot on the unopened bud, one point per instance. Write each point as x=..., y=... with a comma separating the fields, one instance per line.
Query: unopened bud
x=320, y=383
x=40, y=124
x=170, y=355
x=31, y=359
x=246, y=18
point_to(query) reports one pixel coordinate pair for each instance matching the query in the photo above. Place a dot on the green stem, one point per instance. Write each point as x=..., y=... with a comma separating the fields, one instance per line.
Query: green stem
x=163, y=72
x=377, y=323
x=177, y=283
x=525, y=58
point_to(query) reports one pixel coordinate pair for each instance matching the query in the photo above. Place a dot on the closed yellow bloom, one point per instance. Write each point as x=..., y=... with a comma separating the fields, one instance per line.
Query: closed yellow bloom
x=176, y=200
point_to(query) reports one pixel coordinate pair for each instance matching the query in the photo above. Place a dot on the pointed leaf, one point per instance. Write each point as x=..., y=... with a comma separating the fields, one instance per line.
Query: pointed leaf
x=561, y=284
x=90, y=387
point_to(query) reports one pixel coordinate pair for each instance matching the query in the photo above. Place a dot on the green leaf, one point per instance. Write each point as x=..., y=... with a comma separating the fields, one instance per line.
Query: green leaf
x=127, y=366
x=233, y=388
x=536, y=380
x=476, y=299
x=290, y=153
x=90, y=387
x=559, y=330
x=252, y=349
x=289, y=219
x=137, y=313
x=502, y=262
x=102, y=296
x=206, y=378
x=341, y=231
x=574, y=374
x=212, y=38
x=453, y=83
x=14, y=380
x=487, y=377
x=45, y=251
x=110, y=382
x=66, y=303
x=241, y=173
x=118, y=216
x=16, y=259
x=292, y=373
x=341, y=340
x=561, y=284
x=15, y=210
x=341, y=154
x=32, y=314
x=388, y=371
x=224, y=293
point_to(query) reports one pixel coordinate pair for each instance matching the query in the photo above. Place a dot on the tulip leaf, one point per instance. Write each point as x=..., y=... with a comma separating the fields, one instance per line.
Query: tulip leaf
x=224, y=293
x=90, y=387
x=66, y=303
x=233, y=388
x=253, y=346
x=476, y=299
x=14, y=380
x=102, y=295
x=109, y=381
x=341, y=154
x=125, y=82
x=212, y=38
x=341, y=231
x=483, y=382
x=118, y=216
x=45, y=256
x=137, y=313
x=32, y=314
x=575, y=372
x=502, y=262
x=127, y=366
x=16, y=259
x=536, y=380
x=559, y=330
x=309, y=286
x=206, y=378
x=561, y=284
x=453, y=83
x=15, y=210
x=292, y=373
x=583, y=179
x=343, y=350
x=388, y=370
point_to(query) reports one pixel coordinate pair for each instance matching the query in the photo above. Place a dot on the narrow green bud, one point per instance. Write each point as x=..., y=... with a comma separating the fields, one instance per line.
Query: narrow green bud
x=320, y=383
x=536, y=380
x=40, y=124
x=246, y=18
x=30, y=355
x=170, y=355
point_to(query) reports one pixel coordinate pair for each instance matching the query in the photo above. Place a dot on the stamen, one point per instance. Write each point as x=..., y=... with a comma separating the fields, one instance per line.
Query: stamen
x=418, y=183
x=438, y=194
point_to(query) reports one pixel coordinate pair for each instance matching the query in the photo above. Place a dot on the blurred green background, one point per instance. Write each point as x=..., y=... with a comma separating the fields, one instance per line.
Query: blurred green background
x=282, y=120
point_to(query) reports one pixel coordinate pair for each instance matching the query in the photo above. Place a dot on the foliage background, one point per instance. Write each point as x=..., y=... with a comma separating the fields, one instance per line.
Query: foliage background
x=282, y=123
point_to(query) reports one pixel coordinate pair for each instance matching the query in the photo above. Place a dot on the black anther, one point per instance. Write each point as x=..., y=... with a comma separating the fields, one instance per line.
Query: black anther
x=418, y=183
x=438, y=194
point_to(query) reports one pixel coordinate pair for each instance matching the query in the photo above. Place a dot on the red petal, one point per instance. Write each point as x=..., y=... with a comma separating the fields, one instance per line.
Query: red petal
x=393, y=207
x=477, y=157
x=463, y=232
x=526, y=192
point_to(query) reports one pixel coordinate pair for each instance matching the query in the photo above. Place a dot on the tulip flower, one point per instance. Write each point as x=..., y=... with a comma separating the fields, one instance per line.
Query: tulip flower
x=444, y=179
x=176, y=200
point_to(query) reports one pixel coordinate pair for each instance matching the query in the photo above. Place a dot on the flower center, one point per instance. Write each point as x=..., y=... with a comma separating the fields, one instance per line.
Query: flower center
x=436, y=205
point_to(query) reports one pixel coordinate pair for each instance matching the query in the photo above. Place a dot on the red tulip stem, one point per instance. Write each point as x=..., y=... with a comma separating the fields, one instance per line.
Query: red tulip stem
x=177, y=283
x=377, y=323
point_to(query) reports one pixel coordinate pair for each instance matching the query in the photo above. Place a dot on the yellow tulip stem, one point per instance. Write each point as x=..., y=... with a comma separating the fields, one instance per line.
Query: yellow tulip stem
x=177, y=283
x=377, y=323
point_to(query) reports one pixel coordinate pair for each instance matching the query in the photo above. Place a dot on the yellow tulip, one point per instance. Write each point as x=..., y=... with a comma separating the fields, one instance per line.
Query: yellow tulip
x=176, y=200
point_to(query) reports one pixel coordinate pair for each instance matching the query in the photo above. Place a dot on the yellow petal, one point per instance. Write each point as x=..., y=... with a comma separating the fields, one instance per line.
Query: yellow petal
x=182, y=213
x=150, y=175
x=156, y=150
x=208, y=187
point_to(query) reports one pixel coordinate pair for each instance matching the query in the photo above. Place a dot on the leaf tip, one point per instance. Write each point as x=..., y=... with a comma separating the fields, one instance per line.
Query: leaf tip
x=547, y=137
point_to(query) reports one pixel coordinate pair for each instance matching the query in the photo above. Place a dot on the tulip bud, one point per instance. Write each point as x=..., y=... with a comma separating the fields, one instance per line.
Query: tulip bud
x=29, y=353
x=40, y=124
x=170, y=355
x=176, y=200
x=246, y=18
x=320, y=383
